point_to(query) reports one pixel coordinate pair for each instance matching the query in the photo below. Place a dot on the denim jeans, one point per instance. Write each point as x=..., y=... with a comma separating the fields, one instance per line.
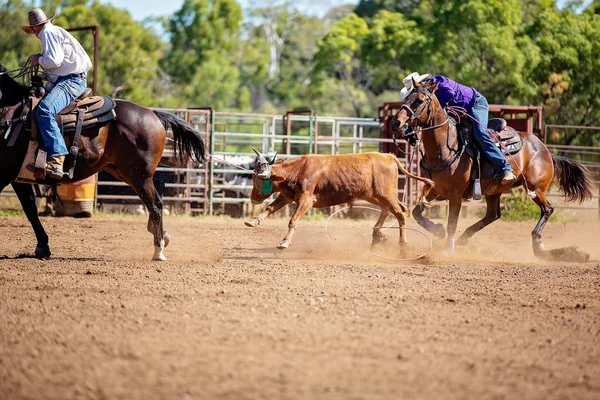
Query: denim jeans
x=61, y=95
x=482, y=137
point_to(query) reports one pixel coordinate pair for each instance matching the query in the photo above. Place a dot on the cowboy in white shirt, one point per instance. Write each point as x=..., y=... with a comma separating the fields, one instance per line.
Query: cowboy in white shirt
x=66, y=64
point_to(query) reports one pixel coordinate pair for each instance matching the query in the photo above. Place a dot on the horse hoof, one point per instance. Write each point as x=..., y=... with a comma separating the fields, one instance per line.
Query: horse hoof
x=439, y=231
x=42, y=251
x=160, y=257
x=283, y=245
x=462, y=242
x=251, y=224
x=166, y=238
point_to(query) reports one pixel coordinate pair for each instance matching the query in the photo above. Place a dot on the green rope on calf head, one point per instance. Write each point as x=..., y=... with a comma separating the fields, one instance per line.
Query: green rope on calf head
x=264, y=185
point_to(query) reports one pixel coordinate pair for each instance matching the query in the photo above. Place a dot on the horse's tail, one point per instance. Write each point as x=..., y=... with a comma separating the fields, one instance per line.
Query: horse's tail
x=187, y=140
x=573, y=178
x=429, y=184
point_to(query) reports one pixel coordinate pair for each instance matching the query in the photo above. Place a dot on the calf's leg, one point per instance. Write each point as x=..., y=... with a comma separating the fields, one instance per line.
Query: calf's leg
x=304, y=204
x=275, y=206
x=377, y=235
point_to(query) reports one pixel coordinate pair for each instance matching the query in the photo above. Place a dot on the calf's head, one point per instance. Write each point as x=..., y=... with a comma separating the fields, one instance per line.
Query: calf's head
x=263, y=178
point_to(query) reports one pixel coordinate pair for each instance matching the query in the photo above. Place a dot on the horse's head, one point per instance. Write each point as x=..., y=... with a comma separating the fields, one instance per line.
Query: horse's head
x=418, y=109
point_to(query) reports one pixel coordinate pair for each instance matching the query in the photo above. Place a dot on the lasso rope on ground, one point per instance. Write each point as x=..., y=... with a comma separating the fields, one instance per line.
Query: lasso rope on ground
x=375, y=254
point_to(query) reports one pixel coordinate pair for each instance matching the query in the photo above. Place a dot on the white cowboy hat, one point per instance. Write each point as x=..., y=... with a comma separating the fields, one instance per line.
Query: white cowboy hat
x=36, y=17
x=408, y=83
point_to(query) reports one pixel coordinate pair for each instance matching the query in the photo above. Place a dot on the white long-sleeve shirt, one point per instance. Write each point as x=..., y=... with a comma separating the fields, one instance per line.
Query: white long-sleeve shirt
x=62, y=54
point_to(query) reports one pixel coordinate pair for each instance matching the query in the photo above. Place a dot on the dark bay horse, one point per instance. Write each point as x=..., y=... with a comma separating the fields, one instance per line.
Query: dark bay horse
x=129, y=148
x=534, y=166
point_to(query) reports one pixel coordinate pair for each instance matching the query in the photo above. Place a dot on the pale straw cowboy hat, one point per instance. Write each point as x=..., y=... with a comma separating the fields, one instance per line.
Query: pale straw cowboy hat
x=408, y=83
x=36, y=18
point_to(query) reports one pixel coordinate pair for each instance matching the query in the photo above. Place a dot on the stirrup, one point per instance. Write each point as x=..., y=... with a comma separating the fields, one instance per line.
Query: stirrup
x=54, y=173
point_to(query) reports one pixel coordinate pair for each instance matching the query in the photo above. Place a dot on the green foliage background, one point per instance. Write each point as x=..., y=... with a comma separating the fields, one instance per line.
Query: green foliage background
x=270, y=60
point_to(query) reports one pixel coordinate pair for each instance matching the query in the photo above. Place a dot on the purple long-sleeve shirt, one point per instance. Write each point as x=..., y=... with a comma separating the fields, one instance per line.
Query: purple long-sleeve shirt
x=451, y=93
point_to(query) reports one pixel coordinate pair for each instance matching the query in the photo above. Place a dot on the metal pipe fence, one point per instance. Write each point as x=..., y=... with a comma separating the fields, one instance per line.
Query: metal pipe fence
x=217, y=187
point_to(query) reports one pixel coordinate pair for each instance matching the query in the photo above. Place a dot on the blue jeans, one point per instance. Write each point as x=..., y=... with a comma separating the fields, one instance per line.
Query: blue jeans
x=61, y=95
x=482, y=137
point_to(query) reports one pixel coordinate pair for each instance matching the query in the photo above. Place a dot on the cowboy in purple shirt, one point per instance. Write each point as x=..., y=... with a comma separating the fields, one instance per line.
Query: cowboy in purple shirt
x=450, y=93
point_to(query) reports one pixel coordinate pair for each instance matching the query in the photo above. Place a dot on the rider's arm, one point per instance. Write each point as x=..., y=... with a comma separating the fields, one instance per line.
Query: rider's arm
x=444, y=92
x=445, y=95
x=52, y=51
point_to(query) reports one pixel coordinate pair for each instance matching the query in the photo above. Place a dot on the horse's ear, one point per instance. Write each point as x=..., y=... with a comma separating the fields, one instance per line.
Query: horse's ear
x=415, y=83
x=433, y=87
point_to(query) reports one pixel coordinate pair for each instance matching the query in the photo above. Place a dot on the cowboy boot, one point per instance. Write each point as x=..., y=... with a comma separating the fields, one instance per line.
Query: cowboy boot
x=54, y=167
x=508, y=177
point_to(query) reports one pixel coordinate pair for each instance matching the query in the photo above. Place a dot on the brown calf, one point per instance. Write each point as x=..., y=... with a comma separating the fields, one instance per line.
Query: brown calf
x=328, y=180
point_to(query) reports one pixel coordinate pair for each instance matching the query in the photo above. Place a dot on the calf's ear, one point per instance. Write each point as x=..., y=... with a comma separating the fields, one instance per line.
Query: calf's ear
x=276, y=178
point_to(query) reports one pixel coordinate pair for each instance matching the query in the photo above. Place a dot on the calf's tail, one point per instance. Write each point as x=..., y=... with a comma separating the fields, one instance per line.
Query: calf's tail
x=428, y=183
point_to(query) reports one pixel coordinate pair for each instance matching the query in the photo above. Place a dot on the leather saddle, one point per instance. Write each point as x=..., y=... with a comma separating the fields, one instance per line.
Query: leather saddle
x=84, y=112
x=96, y=110
x=507, y=139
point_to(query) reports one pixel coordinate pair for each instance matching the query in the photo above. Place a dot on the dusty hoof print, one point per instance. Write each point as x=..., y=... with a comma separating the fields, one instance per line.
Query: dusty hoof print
x=251, y=224
x=567, y=254
x=462, y=242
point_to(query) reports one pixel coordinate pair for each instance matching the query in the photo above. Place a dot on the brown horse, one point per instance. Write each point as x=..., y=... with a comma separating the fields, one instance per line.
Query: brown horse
x=129, y=148
x=450, y=169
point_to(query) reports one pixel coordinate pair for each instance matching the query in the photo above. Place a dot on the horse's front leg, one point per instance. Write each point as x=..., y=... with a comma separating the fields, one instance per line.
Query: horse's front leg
x=455, y=205
x=491, y=215
x=26, y=196
x=417, y=213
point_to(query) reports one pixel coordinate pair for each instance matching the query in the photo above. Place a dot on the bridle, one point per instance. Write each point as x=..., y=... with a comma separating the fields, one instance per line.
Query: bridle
x=414, y=138
x=415, y=115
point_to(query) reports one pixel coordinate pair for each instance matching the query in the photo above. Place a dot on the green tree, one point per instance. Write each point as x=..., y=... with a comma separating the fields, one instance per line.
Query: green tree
x=369, y=8
x=128, y=51
x=198, y=30
x=15, y=45
x=480, y=43
x=338, y=55
x=394, y=47
x=567, y=72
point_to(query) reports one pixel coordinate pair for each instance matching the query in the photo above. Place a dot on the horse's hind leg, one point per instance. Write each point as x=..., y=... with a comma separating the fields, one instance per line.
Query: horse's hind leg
x=153, y=201
x=546, y=211
x=26, y=196
x=160, y=189
x=491, y=215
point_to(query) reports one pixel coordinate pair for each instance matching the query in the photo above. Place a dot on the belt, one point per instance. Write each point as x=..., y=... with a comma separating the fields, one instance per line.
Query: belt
x=81, y=75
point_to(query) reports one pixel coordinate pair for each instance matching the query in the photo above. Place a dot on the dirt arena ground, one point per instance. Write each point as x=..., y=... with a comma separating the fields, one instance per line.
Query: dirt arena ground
x=230, y=317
